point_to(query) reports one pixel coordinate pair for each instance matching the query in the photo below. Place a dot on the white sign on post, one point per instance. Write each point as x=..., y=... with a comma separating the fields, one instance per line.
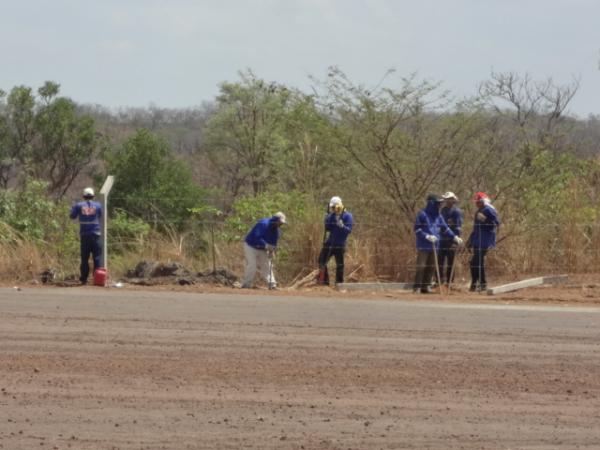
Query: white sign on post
x=106, y=187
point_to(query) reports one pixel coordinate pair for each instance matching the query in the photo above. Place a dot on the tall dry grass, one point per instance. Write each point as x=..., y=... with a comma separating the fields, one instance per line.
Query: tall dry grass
x=22, y=259
x=374, y=252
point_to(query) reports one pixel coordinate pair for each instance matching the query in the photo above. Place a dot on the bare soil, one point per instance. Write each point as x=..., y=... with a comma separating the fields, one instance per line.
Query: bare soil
x=196, y=367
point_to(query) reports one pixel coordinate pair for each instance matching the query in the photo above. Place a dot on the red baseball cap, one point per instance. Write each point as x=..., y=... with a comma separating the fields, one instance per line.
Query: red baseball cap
x=480, y=196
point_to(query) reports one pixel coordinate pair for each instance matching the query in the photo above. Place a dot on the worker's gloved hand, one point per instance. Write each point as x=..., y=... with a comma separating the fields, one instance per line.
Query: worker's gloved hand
x=458, y=240
x=481, y=216
x=431, y=238
x=270, y=248
x=340, y=223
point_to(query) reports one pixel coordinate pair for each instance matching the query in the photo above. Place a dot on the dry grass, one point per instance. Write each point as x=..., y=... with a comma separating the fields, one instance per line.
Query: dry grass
x=21, y=260
x=373, y=253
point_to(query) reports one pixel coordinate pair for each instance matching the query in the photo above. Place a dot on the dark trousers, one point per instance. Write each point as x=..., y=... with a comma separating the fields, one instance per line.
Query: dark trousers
x=90, y=243
x=425, y=266
x=327, y=252
x=446, y=260
x=478, y=267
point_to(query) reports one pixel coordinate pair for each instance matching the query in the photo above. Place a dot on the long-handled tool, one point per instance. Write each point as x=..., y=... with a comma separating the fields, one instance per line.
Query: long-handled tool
x=437, y=267
x=452, y=267
x=270, y=258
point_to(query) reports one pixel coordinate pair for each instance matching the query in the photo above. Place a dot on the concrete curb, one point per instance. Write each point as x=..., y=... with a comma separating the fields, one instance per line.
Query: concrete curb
x=374, y=286
x=553, y=279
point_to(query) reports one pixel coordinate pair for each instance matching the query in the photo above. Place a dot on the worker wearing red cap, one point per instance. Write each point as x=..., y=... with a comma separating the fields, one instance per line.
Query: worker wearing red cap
x=483, y=238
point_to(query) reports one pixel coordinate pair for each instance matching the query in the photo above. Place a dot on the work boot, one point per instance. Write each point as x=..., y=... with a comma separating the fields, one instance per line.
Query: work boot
x=473, y=287
x=426, y=290
x=483, y=288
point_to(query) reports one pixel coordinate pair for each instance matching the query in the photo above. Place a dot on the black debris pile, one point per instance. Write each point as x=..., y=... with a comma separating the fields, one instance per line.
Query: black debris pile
x=155, y=269
x=152, y=273
x=48, y=276
x=52, y=277
x=220, y=276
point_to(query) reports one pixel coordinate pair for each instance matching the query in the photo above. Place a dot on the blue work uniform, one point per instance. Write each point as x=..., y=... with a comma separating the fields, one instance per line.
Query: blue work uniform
x=89, y=214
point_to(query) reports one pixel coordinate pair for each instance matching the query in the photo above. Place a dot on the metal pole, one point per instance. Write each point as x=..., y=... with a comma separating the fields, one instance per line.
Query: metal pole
x=106, y=187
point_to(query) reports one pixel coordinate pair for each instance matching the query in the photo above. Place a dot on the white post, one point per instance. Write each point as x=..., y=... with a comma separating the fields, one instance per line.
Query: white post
x=106, y=187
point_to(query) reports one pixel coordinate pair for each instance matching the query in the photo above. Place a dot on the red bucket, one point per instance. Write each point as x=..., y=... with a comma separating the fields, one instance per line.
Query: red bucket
x=100, y=276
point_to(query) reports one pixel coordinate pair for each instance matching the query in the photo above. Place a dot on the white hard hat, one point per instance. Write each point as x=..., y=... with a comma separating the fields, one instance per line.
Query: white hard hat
x=449, y=195
x=88, y=192
x=280, y=216
x=335, y=201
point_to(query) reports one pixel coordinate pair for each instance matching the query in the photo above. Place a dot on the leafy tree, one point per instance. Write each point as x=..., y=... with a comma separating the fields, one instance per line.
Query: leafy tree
x=18, y=132
x=310, y=152
x=150, y=183
x=245, y=136
x=66, y=143
x=45, y=138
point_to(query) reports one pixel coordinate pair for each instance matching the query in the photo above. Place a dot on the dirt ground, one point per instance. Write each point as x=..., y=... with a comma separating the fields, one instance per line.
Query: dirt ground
x=582, y=290
x=203, y=367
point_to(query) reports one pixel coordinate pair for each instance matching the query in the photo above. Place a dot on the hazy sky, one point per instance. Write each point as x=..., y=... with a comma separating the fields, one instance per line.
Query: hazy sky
x=175, y=53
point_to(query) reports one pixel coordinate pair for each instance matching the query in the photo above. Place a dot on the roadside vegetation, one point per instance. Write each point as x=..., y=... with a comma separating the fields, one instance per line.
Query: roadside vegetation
x=191, y=182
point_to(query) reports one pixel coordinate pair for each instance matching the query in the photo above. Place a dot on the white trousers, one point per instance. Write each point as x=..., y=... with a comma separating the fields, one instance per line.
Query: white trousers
x=257, y=259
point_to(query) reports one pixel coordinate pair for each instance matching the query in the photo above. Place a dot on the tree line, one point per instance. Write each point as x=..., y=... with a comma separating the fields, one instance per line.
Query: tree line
x=384, y=148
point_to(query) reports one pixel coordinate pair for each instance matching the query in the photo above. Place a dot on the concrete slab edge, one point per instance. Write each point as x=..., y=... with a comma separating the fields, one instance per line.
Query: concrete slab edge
x=510, y=287
x=374, y=286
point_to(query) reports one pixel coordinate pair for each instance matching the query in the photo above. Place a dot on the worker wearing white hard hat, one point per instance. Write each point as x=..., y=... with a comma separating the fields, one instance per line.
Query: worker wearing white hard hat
x=453, y=217
x=89, y=214
x=338, y=226
x=335, y=201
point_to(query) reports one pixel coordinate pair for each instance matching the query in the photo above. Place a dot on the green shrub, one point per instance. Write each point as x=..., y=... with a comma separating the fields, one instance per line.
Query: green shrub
x=150, y=183
x=126, y=233
x=30, y=212
x=247, y=210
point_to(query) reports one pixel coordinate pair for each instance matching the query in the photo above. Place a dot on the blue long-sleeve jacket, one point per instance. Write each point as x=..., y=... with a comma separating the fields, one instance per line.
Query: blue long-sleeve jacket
x=264, y=232
x=338, y=235
x=483, y=235
x=89, y=214
x=430, y=221
x=453, y=217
